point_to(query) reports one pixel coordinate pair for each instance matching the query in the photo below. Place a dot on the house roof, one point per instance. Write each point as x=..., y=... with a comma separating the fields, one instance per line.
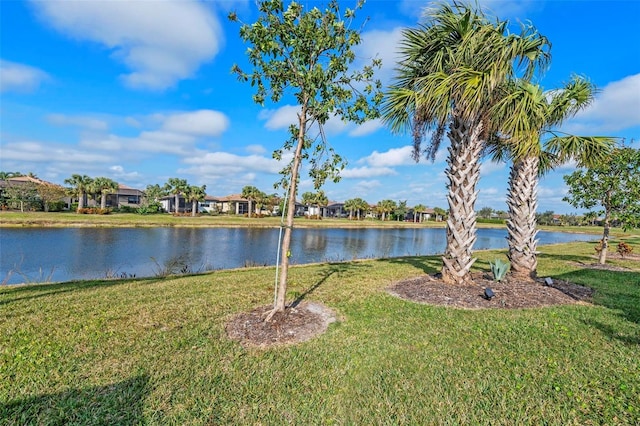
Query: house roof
x=127, y=190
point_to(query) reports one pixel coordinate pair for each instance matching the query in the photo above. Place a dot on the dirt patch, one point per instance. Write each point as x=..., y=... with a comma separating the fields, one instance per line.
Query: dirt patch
x=508, y=294
x=296, y=324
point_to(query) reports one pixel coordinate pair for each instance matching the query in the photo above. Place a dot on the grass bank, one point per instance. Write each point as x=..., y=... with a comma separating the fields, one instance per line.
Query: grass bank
x=154, y=351
x=66, y=219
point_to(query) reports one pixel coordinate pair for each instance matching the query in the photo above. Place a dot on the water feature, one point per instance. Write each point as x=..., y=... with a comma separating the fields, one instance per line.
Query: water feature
x=62, y=254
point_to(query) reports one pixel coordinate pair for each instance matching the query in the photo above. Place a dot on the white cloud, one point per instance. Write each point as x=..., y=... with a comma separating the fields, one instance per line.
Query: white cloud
x=365, y=187
x=223, y=163
x=280, y=118
x=393, y=157
x=160, y=42
x=367, y=172
x=197, y=123
x=366, y=128
x=16, y=77
x=89, y=123
x=489, y=167
x=119, y=173
x=616, y=108
x=382, y=45
x=41, y=152
x=255, y=149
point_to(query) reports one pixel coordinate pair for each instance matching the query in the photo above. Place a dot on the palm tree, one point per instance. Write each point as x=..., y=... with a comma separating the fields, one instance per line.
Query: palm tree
x=417, y=212
x=447, y=78
x=250, y=193
x=321, y=200
x=528, y=115
x=194, y=194
x=104, y=186
x=177, y=187
x=385, y=207
x=80, y=185
x=351, y=205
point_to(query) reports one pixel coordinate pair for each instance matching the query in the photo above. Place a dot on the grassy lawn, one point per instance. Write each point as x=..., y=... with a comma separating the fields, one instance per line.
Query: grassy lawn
x=154, y=351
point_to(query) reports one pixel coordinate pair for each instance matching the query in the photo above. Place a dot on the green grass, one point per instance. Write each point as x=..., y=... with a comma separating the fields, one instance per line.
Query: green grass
x=154, y=351
x=62, y=219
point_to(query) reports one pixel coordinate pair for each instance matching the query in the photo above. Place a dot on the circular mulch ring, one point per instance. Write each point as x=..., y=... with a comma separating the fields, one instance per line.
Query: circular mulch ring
x=296, y=324
x=509, y=294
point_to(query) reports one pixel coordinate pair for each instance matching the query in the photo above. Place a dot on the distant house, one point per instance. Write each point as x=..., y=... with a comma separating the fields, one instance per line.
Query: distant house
x=125, y=196
x=334, y=209
x=233, y=204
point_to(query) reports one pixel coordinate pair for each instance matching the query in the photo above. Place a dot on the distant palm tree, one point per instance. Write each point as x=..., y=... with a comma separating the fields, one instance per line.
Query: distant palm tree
x=80, y=185
x=447, y=78
x=351, y=206
x=251, y=194
x=385, y=207
x=527, y=116
x=195, y=194
x=104, y=186
x=177, y=187
x=417, y=212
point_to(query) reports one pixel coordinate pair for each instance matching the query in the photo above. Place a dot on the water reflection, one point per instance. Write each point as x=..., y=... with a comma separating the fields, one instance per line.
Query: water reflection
x=36, y=255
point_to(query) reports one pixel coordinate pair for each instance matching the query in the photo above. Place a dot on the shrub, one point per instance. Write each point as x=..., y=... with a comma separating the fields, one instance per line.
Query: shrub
x=624, y=249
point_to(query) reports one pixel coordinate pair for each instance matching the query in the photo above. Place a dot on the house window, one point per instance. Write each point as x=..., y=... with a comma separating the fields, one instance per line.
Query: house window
x=133, y=199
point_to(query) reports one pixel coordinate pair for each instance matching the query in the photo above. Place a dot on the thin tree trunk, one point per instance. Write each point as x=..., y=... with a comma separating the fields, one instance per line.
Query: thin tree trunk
x=177, y=201
x=463, y=172
x=522, y=201
x=602, y=257
x=250, y=207
x=194, y=207
x=285, y=251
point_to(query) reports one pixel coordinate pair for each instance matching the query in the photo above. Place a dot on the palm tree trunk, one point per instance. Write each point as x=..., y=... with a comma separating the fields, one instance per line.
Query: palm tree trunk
x=522, y=201
x=285, y=251
x=250, y=207
x=194, y=208
x=463, y=172
x=177, y=201
x=103, y=201
x=80, y=201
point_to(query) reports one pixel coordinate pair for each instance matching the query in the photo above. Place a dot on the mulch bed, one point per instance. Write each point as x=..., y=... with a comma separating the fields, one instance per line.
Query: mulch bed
x=296, y=324
x=509, y=294
x=306, y=320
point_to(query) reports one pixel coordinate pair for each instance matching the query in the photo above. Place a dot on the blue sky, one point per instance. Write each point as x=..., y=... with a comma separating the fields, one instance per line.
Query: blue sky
x=141, y=91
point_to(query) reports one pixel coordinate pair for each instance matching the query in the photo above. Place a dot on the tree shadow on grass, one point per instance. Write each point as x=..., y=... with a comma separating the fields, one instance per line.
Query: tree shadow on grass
x=328, y=271
x=428, y=264
x=618, y=290
x=118, y=403
x=584, y=259
x=36, y=291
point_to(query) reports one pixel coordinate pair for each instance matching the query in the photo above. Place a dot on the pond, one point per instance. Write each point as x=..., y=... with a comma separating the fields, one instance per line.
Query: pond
x=63, y=254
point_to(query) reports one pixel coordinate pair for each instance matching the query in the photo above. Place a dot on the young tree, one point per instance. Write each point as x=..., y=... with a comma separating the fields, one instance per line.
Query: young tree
x=307, y=53
x=152, y=195
x=350, y=205
x=50, y=193
x=401, y=210
x=448, y=79
x=80, y=184
x=613, y=184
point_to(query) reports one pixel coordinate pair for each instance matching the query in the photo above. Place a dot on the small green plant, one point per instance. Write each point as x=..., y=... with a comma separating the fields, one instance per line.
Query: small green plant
x=624, y=249
x=499, y=269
